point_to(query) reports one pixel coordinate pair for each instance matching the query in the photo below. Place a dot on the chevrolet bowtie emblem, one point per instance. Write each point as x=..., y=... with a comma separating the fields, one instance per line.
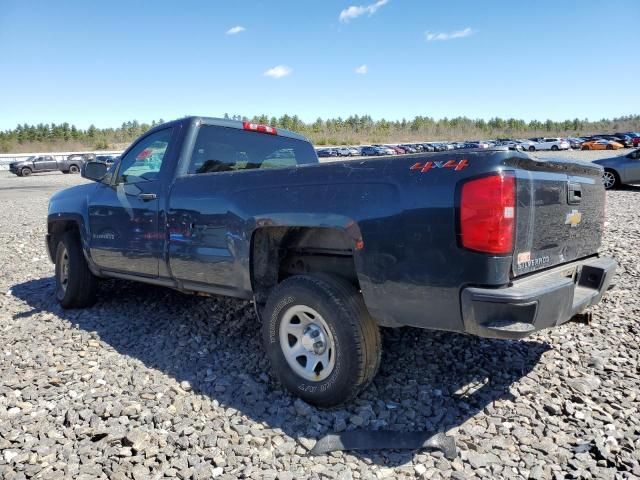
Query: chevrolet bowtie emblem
x=573, y=218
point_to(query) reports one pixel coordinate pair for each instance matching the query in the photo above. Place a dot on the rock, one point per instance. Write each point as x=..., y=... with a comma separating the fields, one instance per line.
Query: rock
x=307, y=443
x=137, y=439
x=356, y=420
x=302, y=408
x=9, y=455
x=481, y=460
x=216, y=472
x=584, y=385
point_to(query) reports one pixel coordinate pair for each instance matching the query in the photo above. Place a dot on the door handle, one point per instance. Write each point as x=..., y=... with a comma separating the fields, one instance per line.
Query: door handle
x=574, y=193
x=145, y=197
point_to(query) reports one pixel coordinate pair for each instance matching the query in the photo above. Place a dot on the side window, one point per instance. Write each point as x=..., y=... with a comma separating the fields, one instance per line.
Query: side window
x=143, y=162
x=227, y=149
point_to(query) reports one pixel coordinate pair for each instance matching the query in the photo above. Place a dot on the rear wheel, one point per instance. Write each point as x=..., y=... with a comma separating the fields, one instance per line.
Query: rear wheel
x=25, y=172
x=76, y=286
x=322, y=343
x=532, y=148
x=610, y=179
x=585, y=147
x=554, y=148
x=73, y=169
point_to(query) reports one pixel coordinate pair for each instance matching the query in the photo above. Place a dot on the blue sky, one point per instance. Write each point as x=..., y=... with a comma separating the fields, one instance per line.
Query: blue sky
x=108, y=62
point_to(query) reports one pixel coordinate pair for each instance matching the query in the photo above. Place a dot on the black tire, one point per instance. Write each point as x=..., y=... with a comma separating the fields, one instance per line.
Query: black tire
x=25, y=172
x=532, y=148
x=554, y=148
x=609, y=147
x=585, y=147
x=74, y=169
x=355, y=335
x=77, y=287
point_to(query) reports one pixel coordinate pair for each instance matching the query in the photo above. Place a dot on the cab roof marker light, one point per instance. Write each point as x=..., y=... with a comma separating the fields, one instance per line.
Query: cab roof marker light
x=257, y=127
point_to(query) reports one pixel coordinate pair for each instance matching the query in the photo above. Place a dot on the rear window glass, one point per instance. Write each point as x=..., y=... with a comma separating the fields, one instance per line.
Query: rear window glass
x=223, y=149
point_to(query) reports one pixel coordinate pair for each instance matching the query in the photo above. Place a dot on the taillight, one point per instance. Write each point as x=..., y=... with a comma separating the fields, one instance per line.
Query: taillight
x=257, y=127
x=487, y=213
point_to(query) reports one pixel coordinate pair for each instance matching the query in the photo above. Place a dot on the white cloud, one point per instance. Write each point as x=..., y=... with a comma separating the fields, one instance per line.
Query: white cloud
x=235, y=30
x=354, y=11
x=278, y=71
x=430, y=36
x=362, y=69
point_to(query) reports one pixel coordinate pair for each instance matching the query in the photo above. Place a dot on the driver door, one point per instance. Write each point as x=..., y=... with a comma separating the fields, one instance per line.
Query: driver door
x=44, y=163
x=125, y=232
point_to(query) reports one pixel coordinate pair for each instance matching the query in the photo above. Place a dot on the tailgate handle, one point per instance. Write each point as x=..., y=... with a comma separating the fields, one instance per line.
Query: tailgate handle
x=574, y=193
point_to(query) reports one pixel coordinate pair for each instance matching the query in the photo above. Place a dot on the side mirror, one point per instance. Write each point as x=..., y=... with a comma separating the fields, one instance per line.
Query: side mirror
x=94, y=170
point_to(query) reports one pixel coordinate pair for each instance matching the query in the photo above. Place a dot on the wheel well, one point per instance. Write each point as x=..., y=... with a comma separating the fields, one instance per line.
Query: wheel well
x=56, y=230
x=280, y=252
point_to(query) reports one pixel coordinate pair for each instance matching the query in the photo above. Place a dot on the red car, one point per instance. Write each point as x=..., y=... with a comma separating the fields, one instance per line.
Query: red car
x=636, y=141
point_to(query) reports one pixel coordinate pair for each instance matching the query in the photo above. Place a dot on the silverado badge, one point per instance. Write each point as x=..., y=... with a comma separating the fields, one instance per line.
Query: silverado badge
x=573, y=218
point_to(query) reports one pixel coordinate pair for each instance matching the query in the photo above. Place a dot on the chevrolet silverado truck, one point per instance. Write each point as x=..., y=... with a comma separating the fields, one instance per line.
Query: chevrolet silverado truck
x=493, y=243
x=46, y=163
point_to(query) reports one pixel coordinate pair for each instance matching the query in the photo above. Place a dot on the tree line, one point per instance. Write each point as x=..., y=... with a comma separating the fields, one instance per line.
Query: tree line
x=355, y=129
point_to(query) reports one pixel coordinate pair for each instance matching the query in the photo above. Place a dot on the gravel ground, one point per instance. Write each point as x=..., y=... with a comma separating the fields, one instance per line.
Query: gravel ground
x=151, y=383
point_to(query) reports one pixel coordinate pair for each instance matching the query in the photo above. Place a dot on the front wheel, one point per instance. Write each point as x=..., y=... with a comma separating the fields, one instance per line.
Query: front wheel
x=25, y=172
x=320, y=339
x=76, y=286
x=610, y=179
x=554, y=148
x=609, y=147
x=74, y=169
x=532, y=148
x=585, y=147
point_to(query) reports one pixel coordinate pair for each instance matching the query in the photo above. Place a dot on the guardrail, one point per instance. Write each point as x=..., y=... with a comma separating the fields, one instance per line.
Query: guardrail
x=7, y=158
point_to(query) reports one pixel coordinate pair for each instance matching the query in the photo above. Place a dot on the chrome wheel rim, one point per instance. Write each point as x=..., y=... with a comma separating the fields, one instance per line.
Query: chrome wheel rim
x=608, y=179
x=63, y=273
x=307, y=343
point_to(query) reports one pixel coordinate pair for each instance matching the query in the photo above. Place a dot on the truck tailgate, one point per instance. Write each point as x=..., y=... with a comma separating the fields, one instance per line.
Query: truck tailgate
x=559, y=214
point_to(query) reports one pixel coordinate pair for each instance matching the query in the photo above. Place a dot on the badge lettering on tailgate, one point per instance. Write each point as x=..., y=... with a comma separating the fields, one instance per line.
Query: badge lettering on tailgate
x=426, y=166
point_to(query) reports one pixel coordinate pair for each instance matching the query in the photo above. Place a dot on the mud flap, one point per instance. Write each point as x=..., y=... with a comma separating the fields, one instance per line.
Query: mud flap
x=381, y=439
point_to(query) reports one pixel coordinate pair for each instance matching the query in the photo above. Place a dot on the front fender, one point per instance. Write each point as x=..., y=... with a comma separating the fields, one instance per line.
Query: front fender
x=68, y=209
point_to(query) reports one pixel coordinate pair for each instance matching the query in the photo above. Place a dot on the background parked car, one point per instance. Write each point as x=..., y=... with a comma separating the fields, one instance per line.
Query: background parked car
x=549, y=143
x=386, y=149
x=327, y=152
x=46, y=163
x=575, y=142
x=620, y=170
x=601, y=144
x=372, y=151
x=624, y=140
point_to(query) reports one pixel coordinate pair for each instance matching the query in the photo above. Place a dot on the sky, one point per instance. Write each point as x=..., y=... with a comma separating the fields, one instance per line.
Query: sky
x=104, y=63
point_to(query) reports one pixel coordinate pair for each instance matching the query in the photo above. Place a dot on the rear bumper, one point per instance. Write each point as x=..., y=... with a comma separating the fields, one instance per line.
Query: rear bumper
x=538, y=301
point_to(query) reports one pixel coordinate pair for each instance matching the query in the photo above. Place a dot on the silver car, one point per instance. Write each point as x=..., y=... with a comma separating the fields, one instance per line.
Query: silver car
x=620, y=170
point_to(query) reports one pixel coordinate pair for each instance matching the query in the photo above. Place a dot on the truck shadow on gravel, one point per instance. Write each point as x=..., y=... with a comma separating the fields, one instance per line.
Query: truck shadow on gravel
x=428, y=381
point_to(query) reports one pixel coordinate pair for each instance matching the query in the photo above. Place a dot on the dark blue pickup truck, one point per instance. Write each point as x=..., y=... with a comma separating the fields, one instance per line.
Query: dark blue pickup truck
x=490, y=242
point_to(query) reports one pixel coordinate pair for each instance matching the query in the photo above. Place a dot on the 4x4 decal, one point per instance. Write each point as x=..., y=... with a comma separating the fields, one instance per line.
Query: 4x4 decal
x=425, y=167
